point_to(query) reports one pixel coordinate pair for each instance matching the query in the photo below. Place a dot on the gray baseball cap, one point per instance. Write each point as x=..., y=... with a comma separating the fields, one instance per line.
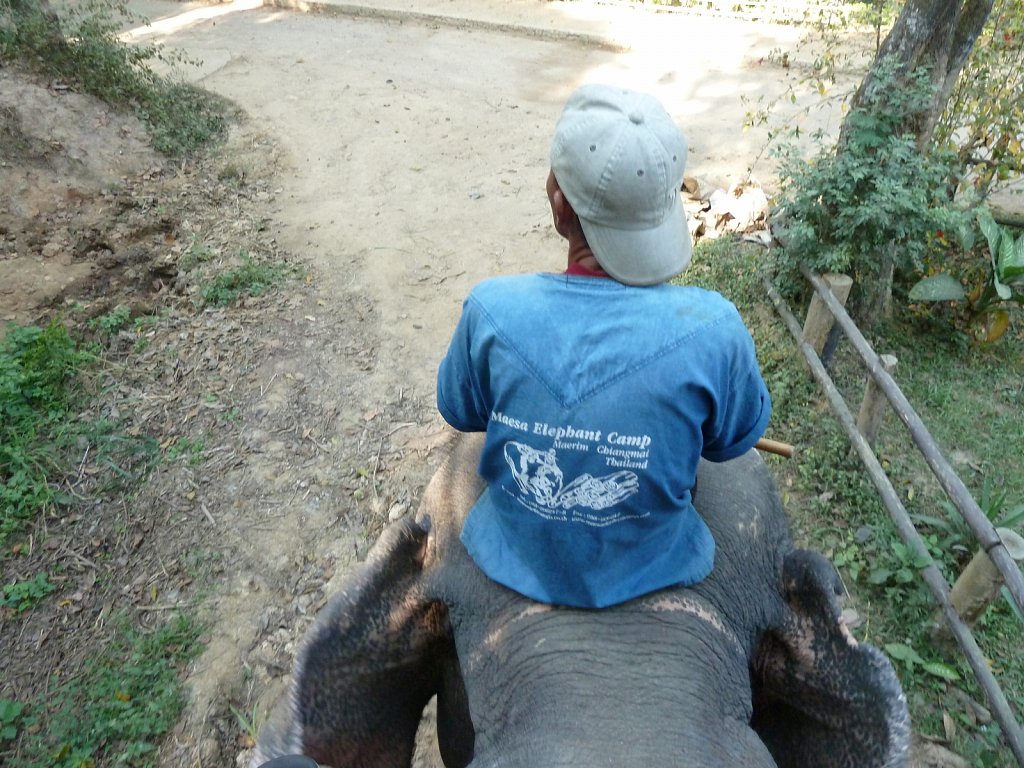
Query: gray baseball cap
x=619, y=159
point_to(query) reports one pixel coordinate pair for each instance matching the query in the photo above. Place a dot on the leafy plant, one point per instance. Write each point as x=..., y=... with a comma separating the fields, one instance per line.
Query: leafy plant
x=186, y=447
x=869, y=209
x=10, y=714
x=1000, y=281
x=900, y=568
x=38, y=370
x=118, y=708
x=957, y=538
x=250, y=279
x=911, y=660
x=113, y=321
x=41, y=389
x=982, y=120
x=22, y=595
x=81, y=46
x=249, y=723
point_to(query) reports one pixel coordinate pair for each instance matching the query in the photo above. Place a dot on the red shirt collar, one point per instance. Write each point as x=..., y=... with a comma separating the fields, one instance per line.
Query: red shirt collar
x=578, y=269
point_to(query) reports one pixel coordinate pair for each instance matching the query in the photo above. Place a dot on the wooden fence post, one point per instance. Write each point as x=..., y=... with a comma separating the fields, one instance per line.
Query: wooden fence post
x=873, y=406
x=819, y=319
x=978, y=586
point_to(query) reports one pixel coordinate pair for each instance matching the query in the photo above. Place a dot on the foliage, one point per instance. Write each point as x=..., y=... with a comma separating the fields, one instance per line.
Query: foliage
x=116, y=710
x=42, y=376
x=186, y=447
x=10, y=713
x=113, y=321
x=995, y=279
x=248, y=722
x=82, y=49
x=250, y=279
x=911, y=659
x=970, y=397
x=980, y=124
x=976, y=146
x=876, y=197
x=38, y=387
x=956, y=540
x=22, y=595
x=982, y=121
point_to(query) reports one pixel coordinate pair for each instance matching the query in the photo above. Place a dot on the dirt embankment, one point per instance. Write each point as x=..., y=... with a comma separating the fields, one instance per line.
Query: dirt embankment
x=277, y=458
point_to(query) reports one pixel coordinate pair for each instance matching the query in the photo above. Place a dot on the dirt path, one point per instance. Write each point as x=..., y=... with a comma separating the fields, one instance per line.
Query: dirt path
x=419, y=150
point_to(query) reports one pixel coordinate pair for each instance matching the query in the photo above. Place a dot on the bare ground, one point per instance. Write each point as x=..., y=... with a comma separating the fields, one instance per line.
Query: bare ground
x=276, y=462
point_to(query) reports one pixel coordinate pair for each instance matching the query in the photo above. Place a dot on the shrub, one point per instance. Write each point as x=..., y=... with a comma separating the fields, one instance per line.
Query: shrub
x=872, y=208
x=82, y=49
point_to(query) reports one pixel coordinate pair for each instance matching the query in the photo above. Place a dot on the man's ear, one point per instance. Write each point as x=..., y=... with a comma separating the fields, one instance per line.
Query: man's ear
x=566, y=221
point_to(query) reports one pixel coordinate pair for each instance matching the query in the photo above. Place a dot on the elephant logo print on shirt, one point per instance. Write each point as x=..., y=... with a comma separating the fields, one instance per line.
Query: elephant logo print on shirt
x=542, y=487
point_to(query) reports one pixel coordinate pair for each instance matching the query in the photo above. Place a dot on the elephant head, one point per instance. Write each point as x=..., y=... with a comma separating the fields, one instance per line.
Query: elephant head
x=750, y=667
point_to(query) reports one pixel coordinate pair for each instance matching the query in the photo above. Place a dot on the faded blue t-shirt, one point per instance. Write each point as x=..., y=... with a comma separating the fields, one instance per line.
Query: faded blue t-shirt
x=598, y=400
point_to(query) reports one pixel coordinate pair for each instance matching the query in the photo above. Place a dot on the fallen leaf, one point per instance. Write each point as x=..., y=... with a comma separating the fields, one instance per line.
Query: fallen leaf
x=948, y=726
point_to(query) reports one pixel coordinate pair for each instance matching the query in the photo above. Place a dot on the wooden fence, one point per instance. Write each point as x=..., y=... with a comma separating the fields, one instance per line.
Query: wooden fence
x=980, y=525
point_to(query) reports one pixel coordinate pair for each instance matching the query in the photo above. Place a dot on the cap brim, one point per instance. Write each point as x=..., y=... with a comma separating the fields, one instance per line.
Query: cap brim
x=643, y=256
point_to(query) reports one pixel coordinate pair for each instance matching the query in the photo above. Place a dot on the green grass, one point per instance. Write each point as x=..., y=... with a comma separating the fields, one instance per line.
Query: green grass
x=22, y=595
x=39, y=385
x=971, y=398
x=115, y=711
x=43, y=372
x=251, y=278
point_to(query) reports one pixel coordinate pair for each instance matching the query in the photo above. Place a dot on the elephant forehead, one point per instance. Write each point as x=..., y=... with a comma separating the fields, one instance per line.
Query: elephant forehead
x=693, y=606
x=658, y=604
x=496, y=636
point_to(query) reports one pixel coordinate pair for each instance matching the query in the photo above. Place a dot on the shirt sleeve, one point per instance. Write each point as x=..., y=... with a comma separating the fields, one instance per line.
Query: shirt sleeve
x=743, y=405
x=460, y=398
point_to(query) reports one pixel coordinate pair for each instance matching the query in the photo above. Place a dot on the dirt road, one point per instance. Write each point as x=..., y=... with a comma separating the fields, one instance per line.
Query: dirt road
x=419, y=149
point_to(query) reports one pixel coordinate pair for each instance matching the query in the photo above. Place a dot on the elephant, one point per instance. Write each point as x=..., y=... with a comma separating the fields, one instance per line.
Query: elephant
x=750, y=667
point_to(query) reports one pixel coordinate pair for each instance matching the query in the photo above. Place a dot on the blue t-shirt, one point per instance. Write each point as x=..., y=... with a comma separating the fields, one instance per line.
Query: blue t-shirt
x=598, y=400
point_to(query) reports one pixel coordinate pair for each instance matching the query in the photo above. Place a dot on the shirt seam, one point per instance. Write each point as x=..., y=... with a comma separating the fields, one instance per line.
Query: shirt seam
x=640, y=365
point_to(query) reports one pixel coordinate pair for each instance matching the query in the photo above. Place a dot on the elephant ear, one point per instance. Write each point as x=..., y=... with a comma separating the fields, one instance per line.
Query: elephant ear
x=370, y=663
x=820, y=697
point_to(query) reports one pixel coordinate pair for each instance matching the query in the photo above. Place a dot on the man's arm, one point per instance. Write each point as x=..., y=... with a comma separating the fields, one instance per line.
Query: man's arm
x=460, y=397
x=742, y=404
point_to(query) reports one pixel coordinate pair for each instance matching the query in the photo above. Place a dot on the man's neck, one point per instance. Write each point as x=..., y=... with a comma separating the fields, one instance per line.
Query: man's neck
x=581, y=261
x=579, y=269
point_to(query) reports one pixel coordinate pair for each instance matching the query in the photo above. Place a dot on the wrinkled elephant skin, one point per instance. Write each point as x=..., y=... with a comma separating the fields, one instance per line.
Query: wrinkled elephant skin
x=751, y=667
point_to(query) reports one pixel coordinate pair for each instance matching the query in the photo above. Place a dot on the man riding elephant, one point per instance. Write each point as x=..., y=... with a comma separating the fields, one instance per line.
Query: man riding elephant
x=600, y=388
x=613, y=416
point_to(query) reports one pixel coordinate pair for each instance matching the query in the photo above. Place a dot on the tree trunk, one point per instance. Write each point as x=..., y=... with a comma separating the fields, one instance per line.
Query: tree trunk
x=875, y=300
x=938, y=35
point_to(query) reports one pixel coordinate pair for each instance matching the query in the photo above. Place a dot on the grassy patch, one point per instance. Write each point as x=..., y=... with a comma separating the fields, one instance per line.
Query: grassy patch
x=39, y=385
x=971, y=398
x=251, y=278
x=43, y=372
x=22, y=595
x=115, y=711
x=55, y=453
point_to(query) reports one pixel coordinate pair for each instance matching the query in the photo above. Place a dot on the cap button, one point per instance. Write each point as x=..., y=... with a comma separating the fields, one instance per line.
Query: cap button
x=636, y=118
